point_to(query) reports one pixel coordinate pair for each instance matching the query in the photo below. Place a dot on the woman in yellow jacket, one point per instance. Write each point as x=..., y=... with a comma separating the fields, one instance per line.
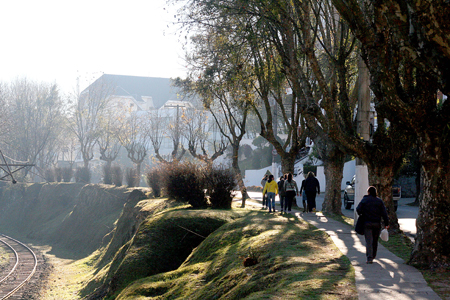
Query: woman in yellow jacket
x=271, y=188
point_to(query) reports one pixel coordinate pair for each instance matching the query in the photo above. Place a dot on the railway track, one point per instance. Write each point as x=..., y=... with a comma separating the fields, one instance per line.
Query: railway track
x=22, y=265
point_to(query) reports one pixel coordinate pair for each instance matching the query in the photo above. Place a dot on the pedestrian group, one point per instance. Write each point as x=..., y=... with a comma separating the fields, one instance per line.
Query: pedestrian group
x=371, y=209
x=287, y=190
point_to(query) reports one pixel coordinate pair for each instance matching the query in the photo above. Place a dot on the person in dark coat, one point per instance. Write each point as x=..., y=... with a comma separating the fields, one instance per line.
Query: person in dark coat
x=311, y=187
x=303, y=193
x=264, y=196
x=282, y=193
x=291, y=189
x=372, y=209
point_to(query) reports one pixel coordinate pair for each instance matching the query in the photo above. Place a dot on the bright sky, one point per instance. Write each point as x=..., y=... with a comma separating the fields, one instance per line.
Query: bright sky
x=60, y=40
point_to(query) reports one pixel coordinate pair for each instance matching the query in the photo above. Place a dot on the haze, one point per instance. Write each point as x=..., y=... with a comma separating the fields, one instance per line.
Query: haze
x=58, y=41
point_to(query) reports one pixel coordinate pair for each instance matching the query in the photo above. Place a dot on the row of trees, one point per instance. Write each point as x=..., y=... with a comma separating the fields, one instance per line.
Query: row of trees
x=41, y=127
x=249, y=52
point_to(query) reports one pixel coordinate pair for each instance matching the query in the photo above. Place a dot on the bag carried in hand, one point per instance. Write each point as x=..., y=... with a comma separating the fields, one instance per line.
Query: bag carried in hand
x=359, y=228
x=384, y=235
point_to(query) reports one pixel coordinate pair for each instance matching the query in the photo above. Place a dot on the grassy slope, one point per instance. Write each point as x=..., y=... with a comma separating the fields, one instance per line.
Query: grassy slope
x=296, y=261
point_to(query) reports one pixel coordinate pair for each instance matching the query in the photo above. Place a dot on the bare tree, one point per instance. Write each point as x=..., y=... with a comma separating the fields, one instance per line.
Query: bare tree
x=84, y=122
x=163, y=125
x=133, y=136
x=35, y=116
x=108, y=141
x=198, y=131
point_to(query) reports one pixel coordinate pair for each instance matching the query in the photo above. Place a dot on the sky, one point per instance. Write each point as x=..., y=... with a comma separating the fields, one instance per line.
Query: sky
x=58, y=41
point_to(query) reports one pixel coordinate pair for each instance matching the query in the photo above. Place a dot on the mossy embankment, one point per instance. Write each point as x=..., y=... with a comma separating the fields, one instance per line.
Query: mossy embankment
x=141, y=248
x=73, y=218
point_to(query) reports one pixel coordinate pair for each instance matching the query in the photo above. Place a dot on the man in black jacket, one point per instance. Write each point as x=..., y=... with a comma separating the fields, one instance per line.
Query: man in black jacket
x=372, y=209
x=311, y=186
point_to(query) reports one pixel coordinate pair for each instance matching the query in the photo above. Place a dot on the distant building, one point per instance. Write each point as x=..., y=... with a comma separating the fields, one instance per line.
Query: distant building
x=136, y=92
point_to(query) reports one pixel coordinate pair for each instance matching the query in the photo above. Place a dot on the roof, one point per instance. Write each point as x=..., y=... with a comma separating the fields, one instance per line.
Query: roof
x=159, y=89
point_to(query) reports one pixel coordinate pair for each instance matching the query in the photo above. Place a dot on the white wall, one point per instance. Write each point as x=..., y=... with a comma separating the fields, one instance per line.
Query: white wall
x=349, y=171
x=253, y=177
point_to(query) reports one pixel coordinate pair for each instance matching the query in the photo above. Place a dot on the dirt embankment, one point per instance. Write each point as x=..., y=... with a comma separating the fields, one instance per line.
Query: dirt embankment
x=73, y=217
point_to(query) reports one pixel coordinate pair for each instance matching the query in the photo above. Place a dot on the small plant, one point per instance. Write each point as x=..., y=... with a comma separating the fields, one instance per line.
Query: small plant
x=107, y=175
x=154, y=180
x=131, y=177
x=184, y=182
x=67, y=174
x=83, y=175
x=58, y=174
x=251, y=259
x=221, y=183
x=49, y=175
x=117, y=175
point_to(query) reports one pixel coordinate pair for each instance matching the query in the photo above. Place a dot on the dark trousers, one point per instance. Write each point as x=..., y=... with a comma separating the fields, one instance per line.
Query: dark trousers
x=290, y=196
x=311, y=199
x=264, y=200
x=371, y=234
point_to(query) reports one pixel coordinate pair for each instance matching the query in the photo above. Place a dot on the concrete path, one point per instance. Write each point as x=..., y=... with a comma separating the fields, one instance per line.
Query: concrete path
x=387, y=278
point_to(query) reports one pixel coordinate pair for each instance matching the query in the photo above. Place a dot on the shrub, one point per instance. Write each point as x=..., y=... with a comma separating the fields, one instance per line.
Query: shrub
x=49, y=175
x=221, y=183
x=83, y=175
x=107, y=175
x=67, y=174
x=154, y=181
x=131, y=177
x=184, y=182
x=58, y=174
x=117, y=175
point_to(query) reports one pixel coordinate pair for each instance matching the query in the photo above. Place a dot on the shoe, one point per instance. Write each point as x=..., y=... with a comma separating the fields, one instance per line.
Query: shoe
x=369, y=262
x=270, y=210
x=314, y=209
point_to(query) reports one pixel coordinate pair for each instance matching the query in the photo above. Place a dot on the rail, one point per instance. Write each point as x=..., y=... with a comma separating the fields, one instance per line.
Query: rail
x=26, y=270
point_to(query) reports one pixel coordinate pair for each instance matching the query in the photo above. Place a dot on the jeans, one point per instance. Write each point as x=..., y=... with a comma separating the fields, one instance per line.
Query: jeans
x=282, y=202
x=271, y=200
x=304, y=201
x=371, y=234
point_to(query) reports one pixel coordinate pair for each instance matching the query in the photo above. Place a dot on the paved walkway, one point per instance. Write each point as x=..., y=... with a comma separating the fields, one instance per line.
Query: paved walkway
x=387, y=278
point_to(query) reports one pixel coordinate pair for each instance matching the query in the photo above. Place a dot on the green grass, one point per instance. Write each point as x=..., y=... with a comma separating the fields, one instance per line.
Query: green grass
x=295, y=261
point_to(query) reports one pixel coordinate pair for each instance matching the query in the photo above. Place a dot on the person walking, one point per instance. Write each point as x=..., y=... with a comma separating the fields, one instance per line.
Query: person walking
x=271, y=188
x=303, y=193
x=281, y=192
x=291, y=189
x=372, y=209
x=264, y=197
x=311, y=187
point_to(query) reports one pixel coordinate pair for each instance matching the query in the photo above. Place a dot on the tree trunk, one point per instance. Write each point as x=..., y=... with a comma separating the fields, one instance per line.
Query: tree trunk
x=137, y=181
x=238, y=174
x=432, y=245
x=333, y=168
x=381, y=177
x=287, y=164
